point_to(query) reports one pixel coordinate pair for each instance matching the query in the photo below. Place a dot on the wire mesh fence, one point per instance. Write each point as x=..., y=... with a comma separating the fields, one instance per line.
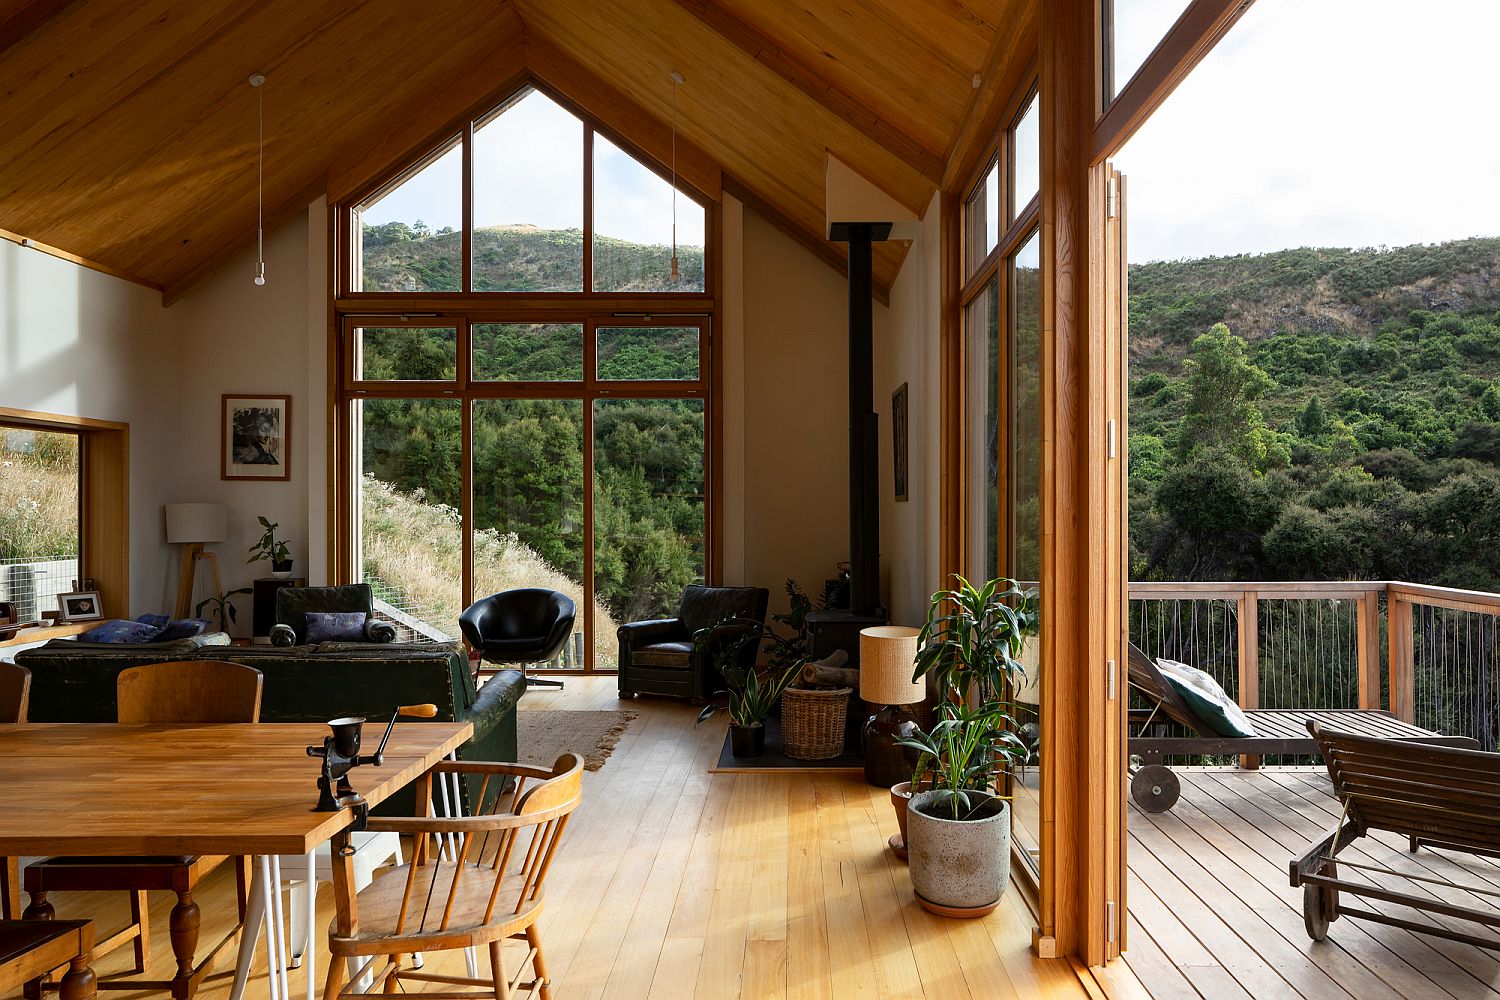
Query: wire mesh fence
x=33, y=584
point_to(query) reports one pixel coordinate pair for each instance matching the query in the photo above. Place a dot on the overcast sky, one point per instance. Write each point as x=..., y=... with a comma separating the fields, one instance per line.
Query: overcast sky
x=1323, y=123
x=528, y=168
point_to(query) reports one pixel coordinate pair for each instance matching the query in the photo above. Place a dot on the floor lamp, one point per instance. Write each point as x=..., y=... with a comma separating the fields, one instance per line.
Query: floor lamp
x=887, y=660
x=193, y=525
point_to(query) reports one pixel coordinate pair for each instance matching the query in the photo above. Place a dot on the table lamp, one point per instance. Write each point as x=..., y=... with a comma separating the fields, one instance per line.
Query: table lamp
x=194, y=525
x=887, y=657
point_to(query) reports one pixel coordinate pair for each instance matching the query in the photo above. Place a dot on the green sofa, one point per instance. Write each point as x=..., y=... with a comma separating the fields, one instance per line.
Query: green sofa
x=75, y=682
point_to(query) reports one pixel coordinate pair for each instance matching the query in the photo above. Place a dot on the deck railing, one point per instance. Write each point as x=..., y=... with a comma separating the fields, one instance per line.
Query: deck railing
x=1430, y=655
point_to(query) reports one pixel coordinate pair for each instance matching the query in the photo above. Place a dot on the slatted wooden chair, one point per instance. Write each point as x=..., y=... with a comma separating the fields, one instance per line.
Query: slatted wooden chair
x=199, y=691
x=473, y=880
x=1443, y=797
x=15, y=693
x=1278, y=731
x=30, y=949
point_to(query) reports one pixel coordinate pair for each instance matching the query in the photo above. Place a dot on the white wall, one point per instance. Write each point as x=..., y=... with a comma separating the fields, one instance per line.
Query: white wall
x=233, y=336
x=908, y=339
x=81, y=343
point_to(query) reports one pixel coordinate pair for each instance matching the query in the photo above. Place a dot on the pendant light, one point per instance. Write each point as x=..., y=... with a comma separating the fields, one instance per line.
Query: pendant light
x=257, y=80
x=676, y=83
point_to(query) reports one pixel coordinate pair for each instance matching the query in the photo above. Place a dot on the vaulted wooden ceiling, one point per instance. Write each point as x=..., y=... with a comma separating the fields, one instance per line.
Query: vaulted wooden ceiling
x=127, y=127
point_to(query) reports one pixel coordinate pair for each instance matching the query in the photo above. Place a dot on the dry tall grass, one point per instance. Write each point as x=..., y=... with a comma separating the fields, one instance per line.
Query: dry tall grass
x=413, y=555
x=38, y=497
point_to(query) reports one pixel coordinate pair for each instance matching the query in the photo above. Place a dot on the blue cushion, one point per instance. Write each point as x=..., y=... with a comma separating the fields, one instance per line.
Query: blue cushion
x=335, y=626
x=121, y=631
x=184, y=628
x=1205, y=697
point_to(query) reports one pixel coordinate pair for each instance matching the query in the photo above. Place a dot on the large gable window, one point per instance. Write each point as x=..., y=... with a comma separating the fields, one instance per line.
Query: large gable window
x=525, y=395
x=555, y=206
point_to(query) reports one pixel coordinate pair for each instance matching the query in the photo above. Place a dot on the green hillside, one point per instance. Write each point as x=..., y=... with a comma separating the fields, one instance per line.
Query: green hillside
x=1318, y=413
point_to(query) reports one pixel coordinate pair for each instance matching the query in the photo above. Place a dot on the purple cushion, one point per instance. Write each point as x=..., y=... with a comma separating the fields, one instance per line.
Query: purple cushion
x=335, y=626
x=121, y=631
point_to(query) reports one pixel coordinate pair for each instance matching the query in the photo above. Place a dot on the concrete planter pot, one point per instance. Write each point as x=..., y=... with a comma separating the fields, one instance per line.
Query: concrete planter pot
x=959, y=868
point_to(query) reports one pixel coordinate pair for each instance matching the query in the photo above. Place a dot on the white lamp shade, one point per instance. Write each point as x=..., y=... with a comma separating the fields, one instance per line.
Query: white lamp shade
x=197, y=522
x=887, y=657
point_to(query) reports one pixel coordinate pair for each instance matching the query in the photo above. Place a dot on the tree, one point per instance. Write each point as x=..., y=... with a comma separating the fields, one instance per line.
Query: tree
x=1223, y=385
x=1312, y=423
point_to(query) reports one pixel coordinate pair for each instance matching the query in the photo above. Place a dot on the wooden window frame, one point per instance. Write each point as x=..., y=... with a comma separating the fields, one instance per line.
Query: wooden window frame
x=103, y=498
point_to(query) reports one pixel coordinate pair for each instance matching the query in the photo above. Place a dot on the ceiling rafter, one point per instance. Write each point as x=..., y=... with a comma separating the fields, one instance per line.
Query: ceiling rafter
x=766, y=51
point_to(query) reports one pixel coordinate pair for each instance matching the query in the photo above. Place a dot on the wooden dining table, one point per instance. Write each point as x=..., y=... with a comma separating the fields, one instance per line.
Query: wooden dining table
x=218, y=789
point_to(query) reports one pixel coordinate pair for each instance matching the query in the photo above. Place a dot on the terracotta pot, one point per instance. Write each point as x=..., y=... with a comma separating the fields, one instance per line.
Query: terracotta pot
x=959, y=868
x=901, y=793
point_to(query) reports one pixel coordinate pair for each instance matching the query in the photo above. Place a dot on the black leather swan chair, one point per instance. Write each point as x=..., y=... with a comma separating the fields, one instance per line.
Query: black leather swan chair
x=529, y=625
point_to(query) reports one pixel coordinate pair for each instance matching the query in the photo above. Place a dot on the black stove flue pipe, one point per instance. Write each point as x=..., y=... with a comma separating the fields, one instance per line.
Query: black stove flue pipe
x=864, y=426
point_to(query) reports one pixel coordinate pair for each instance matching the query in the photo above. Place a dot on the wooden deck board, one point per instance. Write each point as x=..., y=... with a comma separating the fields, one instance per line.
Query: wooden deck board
x=1212, y=909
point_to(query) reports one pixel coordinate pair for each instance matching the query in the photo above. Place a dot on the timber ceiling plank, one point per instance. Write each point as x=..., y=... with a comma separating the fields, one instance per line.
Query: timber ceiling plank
x=21, y=19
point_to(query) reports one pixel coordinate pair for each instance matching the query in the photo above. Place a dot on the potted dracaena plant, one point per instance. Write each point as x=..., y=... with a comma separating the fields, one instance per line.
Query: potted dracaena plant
x=749, y=694
x=272, y=549
x=958, y=829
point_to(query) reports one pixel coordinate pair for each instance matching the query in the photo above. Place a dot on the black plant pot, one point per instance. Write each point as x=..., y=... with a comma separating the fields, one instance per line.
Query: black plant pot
x=281, y=569
x=747, y=741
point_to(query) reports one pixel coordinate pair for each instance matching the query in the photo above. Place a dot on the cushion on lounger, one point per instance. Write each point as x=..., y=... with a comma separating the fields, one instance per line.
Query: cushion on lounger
x=1204, y=696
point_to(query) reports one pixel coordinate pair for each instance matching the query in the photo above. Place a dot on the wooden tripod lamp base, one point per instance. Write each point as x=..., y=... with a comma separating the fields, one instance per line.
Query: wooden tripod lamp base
x=193, y=525
x=191, y=554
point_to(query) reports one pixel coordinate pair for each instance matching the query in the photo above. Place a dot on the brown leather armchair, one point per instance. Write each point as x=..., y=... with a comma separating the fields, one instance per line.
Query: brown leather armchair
x=665, y=656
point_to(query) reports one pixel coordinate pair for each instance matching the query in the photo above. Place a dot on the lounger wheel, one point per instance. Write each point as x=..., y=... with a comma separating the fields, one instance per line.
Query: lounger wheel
x=1155, y=788
x=1320, y=905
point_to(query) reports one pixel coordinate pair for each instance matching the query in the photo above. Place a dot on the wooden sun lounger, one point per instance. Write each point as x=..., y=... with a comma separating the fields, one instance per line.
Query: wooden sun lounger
x=1435, y=796
x=1278, y=731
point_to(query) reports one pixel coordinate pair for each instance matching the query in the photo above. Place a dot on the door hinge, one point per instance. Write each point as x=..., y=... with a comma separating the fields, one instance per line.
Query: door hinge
x=1112, y=921
x=1109, y=433
x=1111, y=196
x=1109, y=677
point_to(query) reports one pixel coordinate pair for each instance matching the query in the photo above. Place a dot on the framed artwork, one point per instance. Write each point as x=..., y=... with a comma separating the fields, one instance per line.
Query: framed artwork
x=81, y=606
x=256, y=437
x=899, y=440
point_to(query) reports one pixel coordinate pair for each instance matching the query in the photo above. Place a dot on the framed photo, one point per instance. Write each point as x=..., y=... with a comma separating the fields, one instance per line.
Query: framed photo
x=899, y=440
x=81, y=606
x=256, y=437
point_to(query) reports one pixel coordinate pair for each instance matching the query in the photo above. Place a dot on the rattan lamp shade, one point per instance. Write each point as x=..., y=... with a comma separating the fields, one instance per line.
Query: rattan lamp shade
x=887, y=657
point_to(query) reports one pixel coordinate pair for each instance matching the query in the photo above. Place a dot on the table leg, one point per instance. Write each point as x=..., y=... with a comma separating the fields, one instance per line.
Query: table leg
x=255, y=911
x=184, y=922
x=309, y=954
x=268, y=891
x=278, y=925
x=78, y=982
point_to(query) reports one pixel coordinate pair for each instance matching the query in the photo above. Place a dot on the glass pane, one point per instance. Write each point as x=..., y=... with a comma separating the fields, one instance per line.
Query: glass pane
x=527, y=352
x=39, y=510
x=982, y=220
x=410, y=237
x=633, y=226
x=1027, y=152
x=528, y=199
x=982, y=353
x=1026, y=396
x=528, y=502
x=1138, y=26
x=410, y=551
x=635, y=353
x=1026, y=516
x=406, y=353
x=648, y=511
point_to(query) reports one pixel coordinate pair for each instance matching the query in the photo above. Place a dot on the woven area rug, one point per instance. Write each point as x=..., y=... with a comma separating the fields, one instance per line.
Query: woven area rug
x=543, y=736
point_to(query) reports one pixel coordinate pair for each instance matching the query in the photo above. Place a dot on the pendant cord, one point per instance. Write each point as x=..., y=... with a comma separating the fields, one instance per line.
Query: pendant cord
x=675, y=272
x=258, y=82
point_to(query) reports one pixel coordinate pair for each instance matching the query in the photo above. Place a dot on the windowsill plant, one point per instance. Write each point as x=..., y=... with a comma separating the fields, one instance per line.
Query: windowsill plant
x=271, y=549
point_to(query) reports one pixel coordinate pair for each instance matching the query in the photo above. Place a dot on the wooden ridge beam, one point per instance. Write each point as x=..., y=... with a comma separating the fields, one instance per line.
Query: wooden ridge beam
x=765, y=50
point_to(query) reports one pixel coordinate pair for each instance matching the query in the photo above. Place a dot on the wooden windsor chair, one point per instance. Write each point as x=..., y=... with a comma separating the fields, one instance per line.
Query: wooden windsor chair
x=473, y=880
x=15, y=691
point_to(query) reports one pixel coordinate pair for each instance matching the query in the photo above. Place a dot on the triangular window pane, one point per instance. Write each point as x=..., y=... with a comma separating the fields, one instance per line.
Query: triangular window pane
x=411, y=234
x=633, y=210
x=528, y=199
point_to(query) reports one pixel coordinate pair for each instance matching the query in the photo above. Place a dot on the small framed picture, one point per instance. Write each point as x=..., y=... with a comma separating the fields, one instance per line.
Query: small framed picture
x=81, y=606
x=256, y=437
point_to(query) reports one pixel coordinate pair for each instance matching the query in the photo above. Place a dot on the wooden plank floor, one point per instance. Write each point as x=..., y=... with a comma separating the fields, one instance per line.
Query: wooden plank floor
x=675, y=883
x=1214, y=916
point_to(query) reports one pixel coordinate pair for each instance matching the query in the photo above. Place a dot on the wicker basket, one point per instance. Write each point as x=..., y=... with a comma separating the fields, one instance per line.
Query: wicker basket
x=812, y=722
